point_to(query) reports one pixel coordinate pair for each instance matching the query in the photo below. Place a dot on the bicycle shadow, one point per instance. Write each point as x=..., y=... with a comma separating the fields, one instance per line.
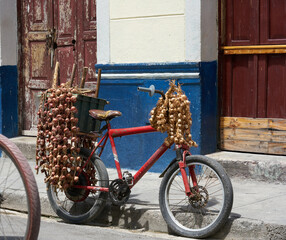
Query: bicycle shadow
x=225, y=230
x=130, y=215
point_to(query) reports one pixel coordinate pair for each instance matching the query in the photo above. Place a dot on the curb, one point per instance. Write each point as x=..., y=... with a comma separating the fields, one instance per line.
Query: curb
x=134, y=216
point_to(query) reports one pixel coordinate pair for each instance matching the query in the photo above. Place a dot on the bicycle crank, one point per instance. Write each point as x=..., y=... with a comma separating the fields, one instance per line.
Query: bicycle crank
x=119, y=192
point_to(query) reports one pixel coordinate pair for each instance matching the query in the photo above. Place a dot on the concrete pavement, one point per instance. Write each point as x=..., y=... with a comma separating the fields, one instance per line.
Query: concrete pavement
x=259, y=210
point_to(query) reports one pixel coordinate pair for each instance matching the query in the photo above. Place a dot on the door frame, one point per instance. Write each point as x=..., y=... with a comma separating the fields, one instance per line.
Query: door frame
x=21, y=84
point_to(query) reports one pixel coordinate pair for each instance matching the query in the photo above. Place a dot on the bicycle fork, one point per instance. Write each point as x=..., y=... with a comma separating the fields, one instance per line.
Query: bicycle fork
x=181, y=158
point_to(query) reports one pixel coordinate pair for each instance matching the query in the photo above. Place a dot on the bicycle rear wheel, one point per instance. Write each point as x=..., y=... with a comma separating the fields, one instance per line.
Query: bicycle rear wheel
x=80, y=205
x=18, y=191
x=203, y=213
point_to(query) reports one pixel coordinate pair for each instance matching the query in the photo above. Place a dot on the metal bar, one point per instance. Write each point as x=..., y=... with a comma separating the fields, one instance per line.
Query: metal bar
x=115, y=155
x=185, y=178
x=149, y=75
x=93, y=188
x=129, y=131
x=150, y=162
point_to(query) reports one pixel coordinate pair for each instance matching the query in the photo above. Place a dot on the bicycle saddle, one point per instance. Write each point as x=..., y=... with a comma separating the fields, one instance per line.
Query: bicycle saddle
x=104, y=115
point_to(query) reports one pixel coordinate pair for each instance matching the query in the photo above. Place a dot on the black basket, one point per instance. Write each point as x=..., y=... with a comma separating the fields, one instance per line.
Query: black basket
x=83, y=104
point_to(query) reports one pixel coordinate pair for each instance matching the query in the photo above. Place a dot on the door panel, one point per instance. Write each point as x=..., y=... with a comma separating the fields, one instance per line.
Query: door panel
x=36, y=72
x=74, y=24
x=87, y=44
x=38, y=15
x=276, y=97
x=65, y=27
x=239, y=15
x=244, y=85
x=65, y=55
x=273, y=30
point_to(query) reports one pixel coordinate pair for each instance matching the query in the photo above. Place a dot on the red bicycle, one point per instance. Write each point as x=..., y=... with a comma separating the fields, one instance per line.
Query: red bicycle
x=195, y=195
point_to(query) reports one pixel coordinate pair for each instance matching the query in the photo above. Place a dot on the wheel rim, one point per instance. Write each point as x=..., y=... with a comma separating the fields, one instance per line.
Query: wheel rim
x=81, y=205
x=183, y=211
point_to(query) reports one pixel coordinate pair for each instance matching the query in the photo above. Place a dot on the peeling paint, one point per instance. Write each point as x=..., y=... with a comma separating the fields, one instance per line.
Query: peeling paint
x=35, y=24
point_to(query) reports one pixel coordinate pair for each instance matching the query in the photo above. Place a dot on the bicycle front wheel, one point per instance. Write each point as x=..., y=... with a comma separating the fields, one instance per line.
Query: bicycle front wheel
x=207, y=209
x=18, y=191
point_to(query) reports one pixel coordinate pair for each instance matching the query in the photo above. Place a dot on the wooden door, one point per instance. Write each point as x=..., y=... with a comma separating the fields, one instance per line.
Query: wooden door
x=36, y=74
x=253, y=76
x=53, y=30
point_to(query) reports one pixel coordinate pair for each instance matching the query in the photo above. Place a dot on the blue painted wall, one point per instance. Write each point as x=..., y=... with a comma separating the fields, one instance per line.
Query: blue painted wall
x=9, y=101
x=133, y=151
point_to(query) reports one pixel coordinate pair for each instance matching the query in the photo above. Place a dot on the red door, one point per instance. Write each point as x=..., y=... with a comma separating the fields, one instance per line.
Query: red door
x=53, y=30
x=253, y=79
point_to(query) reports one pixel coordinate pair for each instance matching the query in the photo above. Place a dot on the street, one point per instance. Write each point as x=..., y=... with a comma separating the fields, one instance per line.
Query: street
x=55, y=229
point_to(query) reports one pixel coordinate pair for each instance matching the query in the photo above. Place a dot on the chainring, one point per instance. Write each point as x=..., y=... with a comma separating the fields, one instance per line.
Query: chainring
x=119, y=192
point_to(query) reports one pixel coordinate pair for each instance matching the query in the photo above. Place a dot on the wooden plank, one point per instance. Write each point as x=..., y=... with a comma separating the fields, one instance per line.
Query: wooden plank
x=254, y=51
x=240, y=122
x=263, y=135
x=278, y=136
x=254, y=47
x=245, y=146
x=277, y=124
x=246, y=134
x=277, y=148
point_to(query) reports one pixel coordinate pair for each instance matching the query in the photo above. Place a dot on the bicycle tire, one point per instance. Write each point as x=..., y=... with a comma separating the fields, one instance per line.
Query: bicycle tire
x=70, y=208
x=18, y=185
x=196, y=218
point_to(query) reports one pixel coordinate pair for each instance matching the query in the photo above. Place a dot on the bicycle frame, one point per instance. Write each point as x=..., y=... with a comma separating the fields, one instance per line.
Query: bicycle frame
x=114, y=133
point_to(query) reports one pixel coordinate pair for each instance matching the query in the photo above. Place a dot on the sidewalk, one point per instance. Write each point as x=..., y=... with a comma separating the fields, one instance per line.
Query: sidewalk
x=259, y=209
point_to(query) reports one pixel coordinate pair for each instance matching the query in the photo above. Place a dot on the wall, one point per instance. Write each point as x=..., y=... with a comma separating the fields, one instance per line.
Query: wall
x=8, y=32
x=8, y=69
x=146, y=31
x=150, y=42
x=135, y=31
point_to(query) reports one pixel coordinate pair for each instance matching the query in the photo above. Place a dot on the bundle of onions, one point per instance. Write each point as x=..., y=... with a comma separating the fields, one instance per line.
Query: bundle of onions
x=172, y=115
x=58, y=143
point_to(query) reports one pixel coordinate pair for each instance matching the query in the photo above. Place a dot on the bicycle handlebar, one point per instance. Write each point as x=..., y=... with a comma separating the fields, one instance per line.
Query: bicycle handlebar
x=151, y=90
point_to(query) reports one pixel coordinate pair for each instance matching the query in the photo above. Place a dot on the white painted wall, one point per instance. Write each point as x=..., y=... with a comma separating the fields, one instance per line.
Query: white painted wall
x=8, y=32
x=146, y=31
x=137, y=31
x=103, y=35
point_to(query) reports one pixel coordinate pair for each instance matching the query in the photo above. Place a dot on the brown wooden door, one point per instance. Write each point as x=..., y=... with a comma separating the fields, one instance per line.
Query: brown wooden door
x=73, y=25
x=253, y=79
